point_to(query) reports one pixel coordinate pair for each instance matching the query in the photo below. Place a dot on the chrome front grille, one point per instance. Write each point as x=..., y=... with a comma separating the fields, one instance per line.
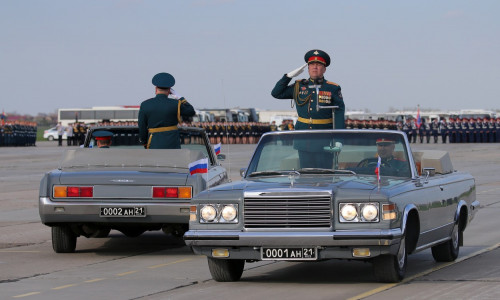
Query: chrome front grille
x=288, y=212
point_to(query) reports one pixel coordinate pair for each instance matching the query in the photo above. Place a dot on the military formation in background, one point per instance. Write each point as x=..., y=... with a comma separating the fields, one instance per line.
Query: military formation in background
x=233, y=132
x=455, y=130
x=18, y=134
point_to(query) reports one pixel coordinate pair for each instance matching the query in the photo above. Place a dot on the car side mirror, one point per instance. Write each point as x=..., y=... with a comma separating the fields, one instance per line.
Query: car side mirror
x=429, y=172
x=221, y=157
x=243, y=172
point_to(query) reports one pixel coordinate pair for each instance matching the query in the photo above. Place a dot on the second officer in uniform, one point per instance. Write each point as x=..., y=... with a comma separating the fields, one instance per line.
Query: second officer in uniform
x=159, y=116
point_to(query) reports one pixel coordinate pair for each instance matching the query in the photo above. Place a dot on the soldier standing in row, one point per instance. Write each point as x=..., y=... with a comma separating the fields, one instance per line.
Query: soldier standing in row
x=435, y=129
x=159, y=116
x=407, y=129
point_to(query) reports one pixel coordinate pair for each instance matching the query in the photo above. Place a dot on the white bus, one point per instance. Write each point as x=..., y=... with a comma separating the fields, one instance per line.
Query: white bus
x=98, y=114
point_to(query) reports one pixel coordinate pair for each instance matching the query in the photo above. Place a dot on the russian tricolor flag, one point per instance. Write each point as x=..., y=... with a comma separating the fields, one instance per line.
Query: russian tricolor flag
x=199, y=166
x=377, y=169
x=419, y=120
x=217, y=149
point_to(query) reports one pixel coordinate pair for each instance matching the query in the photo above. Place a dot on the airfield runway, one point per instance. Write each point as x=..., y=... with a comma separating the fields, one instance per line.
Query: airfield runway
x=157, y=266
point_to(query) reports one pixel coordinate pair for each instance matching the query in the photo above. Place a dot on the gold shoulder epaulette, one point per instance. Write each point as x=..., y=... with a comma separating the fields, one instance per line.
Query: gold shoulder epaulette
x=331, y=82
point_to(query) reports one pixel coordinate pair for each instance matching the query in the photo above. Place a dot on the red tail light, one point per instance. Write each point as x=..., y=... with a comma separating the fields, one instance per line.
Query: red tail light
x=159, y=192
x=87, y=191
x=179, y=192
x=172, y=192
x=73, y=191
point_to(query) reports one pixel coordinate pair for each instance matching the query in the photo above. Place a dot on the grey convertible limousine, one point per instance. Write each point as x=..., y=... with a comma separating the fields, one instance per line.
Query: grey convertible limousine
x=334, y=194
x=125, y=187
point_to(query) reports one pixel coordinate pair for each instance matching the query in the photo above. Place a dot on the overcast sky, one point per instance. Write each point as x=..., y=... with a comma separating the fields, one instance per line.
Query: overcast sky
x=228, y=53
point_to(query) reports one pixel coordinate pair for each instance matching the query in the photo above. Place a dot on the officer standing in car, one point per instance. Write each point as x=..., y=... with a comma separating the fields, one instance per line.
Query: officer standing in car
x=159, y=116
x=307, y=92
x=309, y=95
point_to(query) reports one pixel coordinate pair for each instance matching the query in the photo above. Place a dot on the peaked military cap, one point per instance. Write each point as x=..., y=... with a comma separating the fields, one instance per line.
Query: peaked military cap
x=385, y=141
x=102, y=135
x=317, y=55
x=163, y=80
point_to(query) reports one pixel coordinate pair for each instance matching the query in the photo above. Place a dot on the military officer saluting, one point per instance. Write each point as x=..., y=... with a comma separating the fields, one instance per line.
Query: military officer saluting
x=159, y=116
x=307, y=93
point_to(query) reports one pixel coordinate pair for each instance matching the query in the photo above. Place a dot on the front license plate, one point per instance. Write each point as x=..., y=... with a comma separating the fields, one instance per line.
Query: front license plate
x=135, y=211
x=289, y=253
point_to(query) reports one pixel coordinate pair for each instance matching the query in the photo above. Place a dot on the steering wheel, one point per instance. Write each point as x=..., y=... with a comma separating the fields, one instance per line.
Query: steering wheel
x=367, y=163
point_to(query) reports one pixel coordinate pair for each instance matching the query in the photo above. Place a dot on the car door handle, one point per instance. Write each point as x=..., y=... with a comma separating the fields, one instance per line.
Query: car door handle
x=441, y=187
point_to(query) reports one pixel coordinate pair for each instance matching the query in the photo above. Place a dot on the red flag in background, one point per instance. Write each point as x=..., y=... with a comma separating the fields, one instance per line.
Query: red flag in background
x=419, y=121
x=2, y=116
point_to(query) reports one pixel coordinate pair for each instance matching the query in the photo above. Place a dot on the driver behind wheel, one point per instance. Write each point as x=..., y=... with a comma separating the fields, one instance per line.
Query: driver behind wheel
x=389, y=164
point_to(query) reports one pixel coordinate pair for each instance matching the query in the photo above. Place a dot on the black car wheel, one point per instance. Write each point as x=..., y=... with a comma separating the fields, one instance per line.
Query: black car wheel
x=225, y=270
x=63, y=239
x=449, y=250
x=391, y=268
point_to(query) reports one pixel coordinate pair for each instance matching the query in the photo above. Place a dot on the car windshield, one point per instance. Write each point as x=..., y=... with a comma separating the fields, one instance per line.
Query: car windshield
x=329, y=152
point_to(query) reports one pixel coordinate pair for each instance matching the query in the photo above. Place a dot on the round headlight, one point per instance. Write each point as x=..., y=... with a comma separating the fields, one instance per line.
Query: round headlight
x=208, y=213
x=349, y=212
x=369, y=212
x=229, y=213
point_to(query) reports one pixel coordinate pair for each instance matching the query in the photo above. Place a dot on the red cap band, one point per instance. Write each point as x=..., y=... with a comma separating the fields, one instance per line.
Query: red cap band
x=385, y=140
x=317, y=58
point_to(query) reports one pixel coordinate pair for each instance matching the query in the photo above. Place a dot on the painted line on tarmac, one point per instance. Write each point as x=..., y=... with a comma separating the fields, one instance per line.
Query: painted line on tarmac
x=18, y=251
x=170, y=263
x=126, y=273
x=26, y=295
x=64, y=286
x=101, y=279
x=423, y=273
x=94, y=280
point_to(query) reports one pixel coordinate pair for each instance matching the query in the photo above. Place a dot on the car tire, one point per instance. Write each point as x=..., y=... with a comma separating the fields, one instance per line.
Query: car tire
x=63, y=239
x=448, y=251
x=391, y=268
x=225, y=270
x=50, y=138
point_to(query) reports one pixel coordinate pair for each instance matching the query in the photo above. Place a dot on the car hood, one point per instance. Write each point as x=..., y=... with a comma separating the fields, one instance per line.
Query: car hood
x=367, y=182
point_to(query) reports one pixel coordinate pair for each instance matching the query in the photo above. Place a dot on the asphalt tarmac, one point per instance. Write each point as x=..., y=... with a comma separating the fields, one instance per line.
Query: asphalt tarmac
x=30, y=270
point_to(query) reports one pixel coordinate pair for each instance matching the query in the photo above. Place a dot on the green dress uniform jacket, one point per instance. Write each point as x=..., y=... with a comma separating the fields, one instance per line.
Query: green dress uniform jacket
x=158, y=119
x=304, y=94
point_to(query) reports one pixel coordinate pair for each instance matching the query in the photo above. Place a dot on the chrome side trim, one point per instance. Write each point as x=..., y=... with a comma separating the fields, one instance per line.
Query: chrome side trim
x=423, y=247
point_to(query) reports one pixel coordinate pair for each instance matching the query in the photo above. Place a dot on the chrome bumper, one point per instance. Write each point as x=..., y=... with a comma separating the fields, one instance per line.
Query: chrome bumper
x=307, y=238
x=89, y=212
x=329, y=245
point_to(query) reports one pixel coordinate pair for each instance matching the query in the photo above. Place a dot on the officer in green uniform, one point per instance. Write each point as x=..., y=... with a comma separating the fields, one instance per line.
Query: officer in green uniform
x=307, y=92
x=309, y=95
x=159, y=116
